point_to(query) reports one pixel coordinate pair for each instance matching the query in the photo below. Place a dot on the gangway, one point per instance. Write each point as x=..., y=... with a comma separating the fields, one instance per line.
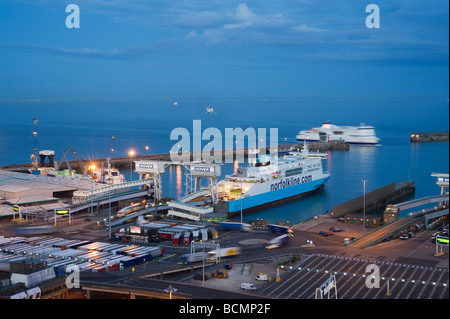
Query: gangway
x=82, y=196
x=422, y=201
x=388, y=230
x=189, y=197
x=394, y=227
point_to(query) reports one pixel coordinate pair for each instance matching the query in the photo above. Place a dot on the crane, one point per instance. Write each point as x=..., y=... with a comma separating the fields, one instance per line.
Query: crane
x=63, y=158
x=82, y=165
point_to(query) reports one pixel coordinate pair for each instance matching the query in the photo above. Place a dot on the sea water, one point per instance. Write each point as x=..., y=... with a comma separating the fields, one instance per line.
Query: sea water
x=89, y=126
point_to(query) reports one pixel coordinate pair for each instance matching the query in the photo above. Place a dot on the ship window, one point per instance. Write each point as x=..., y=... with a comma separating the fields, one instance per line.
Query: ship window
x=294, y=171
x=337, y=132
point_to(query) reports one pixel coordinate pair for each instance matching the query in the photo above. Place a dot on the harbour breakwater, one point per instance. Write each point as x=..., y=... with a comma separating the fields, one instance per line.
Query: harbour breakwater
x=125, y=162
x=429, y=137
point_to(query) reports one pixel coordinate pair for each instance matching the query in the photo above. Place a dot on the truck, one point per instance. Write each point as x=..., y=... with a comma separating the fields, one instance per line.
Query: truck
x=279, y=229
x=225, y=252
x=176, y=239
x=235, y=225
x=187, y=238
x=156, y=251
x=278, y=241
x=35, y=230
x=190, y=258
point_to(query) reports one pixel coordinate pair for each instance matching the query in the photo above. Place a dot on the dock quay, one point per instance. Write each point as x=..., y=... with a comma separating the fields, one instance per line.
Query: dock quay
x=375, y=199
x=124, y=161
x=429, y=137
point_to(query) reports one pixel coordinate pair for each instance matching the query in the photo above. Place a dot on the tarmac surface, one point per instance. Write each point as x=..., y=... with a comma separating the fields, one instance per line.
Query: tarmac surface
x=417, y=273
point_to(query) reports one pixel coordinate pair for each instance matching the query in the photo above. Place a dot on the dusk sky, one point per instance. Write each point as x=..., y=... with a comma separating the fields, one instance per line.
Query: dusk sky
x=142, y=50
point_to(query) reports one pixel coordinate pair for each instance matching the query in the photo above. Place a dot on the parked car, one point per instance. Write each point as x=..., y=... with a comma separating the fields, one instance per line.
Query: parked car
x=411, y=235
x=404, y=237
x=323, y=233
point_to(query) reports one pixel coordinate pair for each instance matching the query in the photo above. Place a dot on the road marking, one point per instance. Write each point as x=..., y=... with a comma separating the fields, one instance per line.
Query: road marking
x=404, y=286
x=296, y=281
x=351, y=282
x=444, y=291
x=437, y=284
x=311, y=277
x=419, y=282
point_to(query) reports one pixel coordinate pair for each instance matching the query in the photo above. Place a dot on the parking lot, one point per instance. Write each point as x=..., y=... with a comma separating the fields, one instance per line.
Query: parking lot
x=406, y=281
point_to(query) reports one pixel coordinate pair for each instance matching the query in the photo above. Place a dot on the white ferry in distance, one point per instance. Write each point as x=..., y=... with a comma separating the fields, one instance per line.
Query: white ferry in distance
x=267, y=181
x=362, y=134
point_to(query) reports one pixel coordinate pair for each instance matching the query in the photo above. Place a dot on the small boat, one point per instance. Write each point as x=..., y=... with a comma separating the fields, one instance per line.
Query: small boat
x=209, y=109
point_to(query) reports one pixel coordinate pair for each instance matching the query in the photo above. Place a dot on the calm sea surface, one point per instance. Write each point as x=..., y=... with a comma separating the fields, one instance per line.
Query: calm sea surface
x=88, y=127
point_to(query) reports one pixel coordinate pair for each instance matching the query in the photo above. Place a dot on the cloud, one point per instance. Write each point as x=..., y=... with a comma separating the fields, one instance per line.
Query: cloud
x=305, y=28
x=113, y=54
x=329, y=30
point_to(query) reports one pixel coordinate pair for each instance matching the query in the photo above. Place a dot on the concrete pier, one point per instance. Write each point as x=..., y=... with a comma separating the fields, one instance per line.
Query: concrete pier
x=124, y=162
x=429, y=137
x=375, y=199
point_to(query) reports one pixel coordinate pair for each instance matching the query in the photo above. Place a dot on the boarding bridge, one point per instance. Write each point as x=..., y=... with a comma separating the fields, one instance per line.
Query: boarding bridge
x=151, y=171
x=196, y=171
x=183, y=209
x=442, y=181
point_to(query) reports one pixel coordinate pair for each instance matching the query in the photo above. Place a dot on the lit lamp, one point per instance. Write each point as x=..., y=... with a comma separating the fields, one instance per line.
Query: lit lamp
x=91, y=168
x=131, y=153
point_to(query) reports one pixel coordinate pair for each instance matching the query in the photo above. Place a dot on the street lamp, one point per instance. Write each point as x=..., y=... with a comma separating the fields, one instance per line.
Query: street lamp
x=203, y=261
x=131, y=153
x=92, y=168
x=170, y=290
x=364, y=206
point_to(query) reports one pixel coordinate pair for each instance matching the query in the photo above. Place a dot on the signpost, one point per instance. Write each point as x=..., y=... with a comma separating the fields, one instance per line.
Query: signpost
x=63, y=212
x=326, y=288
x=440, y=241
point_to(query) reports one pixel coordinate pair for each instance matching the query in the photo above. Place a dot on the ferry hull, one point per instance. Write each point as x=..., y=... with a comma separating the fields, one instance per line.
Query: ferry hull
x=274, y=197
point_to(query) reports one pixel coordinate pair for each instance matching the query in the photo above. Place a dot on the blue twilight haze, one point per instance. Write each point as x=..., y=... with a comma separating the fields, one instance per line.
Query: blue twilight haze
x=137, y=69
x=139, y=50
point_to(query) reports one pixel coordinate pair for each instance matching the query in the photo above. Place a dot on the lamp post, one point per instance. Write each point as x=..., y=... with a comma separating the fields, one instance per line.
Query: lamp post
x=92, y=168
x=170, y=290
x=242, y=194
x=109, y=214
x=131, y=153
x=364, y=206
x=203, y=260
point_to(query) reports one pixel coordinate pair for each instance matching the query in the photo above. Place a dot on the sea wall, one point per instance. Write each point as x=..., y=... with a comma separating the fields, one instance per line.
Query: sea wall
x=429, y=137
x=375, y=199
